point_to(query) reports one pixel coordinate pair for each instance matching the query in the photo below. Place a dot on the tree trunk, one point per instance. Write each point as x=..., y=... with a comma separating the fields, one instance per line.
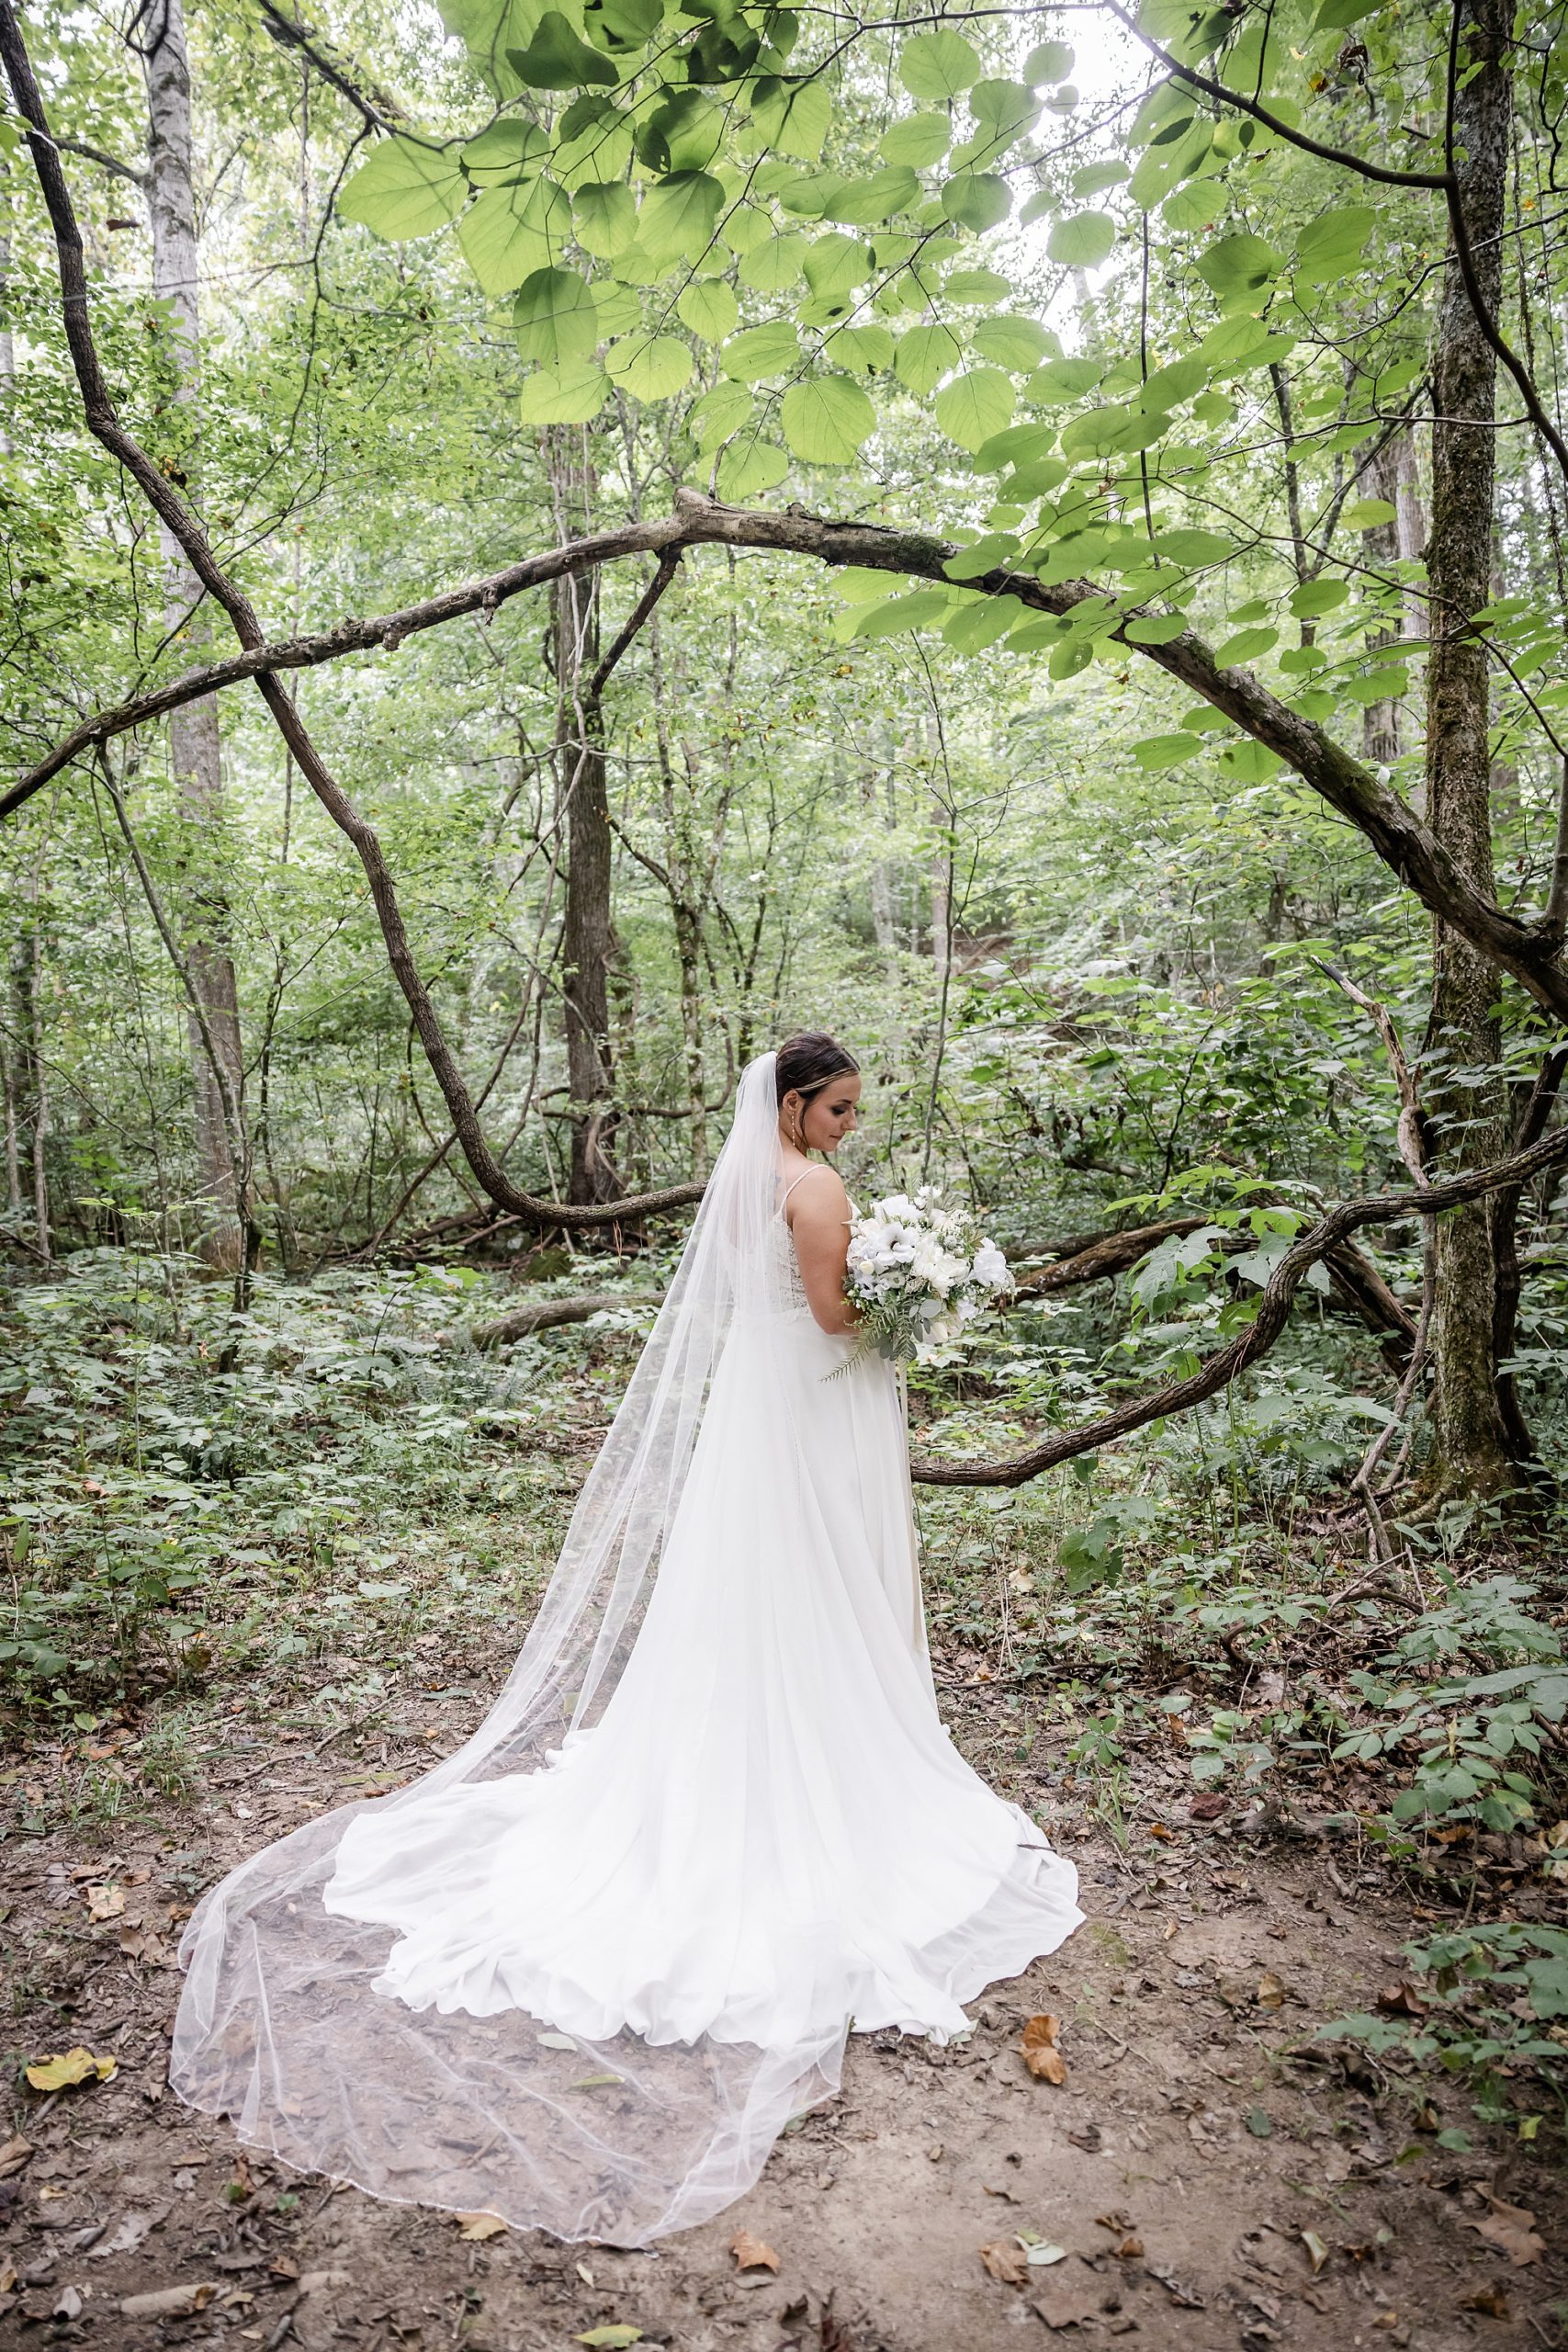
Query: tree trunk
x=1391, y=476
x=196, y=756
x=1467, y=1100
x=587, y=939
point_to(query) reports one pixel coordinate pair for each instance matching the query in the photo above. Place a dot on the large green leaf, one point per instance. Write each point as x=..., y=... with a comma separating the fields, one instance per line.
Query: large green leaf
x=749, y=467
x=1064, y=379
x=1012, y=342
x=676, y=221
x=1157, y=752
x=505, y=151
x=975, y=286
x=1239, y=266
x=568, y=395
x=1245, y=645
x=772, y=266
x=836, y=264
x=925, y=355
x=1052, y=61
x=720, y=414
x=556, y=59
x=792, y=116
x=757, y=352
x=925, y=608
x=918, y=140
x=508, y=232
x=975, y=405
x=650, y=366
x=869, y=349
x=1187, y=547
x=865, y=202
x=1196, y=206
x=555, y=317
x=605, y=217
x=981, y=621
x=1082, y=241
x=709, y=308
x=1332, y=244
x=976, y=200
x=405, y=189
x=938, y=65
x=826, y=420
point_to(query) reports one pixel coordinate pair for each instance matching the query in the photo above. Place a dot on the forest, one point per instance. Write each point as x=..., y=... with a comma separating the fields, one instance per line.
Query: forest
x=546, y=548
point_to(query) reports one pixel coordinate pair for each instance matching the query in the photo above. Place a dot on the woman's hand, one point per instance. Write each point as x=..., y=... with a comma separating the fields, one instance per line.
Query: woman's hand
x=818, y=1214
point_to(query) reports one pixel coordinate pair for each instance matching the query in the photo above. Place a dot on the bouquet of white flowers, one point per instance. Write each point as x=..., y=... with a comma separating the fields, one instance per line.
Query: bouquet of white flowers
x=920, y=1274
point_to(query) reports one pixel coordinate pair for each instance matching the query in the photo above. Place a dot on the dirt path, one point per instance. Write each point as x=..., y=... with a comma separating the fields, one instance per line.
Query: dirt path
x=1208, y=2187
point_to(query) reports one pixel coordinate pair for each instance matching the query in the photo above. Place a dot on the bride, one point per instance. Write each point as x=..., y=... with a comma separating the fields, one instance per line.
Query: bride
x=582, y=1973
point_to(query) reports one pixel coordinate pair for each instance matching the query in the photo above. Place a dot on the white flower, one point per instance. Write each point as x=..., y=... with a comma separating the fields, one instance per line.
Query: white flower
x=991, y=1268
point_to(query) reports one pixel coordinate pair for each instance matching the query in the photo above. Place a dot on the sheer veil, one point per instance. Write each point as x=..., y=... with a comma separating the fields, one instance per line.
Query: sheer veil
x=280, y=2026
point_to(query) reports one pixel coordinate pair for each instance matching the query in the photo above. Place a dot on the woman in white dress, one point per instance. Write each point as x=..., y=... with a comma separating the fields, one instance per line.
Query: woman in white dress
x=582, y=1973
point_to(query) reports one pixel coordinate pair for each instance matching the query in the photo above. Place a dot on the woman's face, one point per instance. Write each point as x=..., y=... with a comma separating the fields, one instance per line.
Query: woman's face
x=826, y=1119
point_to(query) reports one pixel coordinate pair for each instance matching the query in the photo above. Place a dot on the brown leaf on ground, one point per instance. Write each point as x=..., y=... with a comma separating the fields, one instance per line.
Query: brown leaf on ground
x=1187, y=2297
x=1209, y=1806
x=1493, y=2301
x=170, y=2302
x=1512, y=2231
x=14, y=2154
x=105, y=1902
x=1005, y=2260
x=78, y=2065
x=751, y=2253
x=1317, y=2253
x=1040, y=2055
x=476, y=2227
x=129, y=2234
x=1272, y=1991
x=1069, y=2298
x=1400, y=2000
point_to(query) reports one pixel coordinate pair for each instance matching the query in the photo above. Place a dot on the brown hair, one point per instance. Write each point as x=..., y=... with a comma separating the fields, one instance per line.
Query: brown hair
x=811, y=1061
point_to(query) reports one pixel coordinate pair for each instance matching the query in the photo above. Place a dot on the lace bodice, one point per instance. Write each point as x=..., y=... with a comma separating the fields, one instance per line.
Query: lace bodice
x=789, y=1287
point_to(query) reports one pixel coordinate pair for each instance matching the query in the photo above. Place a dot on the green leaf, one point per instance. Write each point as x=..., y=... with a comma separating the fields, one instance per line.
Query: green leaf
x=504, y=151
x=864, y=203
x=867, y=349
x=1239, y=265
x=757, y=352
x=557, y=60
x=709, y=308
x=1332, y=244
x=622, y=26
x=772, y=266
x=1082, y=241
x=975, y=405
x=926, y=607
x=651, y=368
x=925, y=355
x=918, y=140
x=1018, y=344
x=976, y=200
x=975, y=286
x=1193, y=547
x=1156, y=628
x=405, y=189
x=1367, y=514
x=1102, y=431
x=1315, y=597
x=792, y=116
x=1064, y=379
x=1196, y=206
x=938, y=65
x=748, y=467
x=826, y=420
x=508, y=232
x=980, y=621
x=566, y=395
x=1178, y=381
x=1250, y=762
x=718, y=414
x=1246, y=645
x=610, y=2339
x=555, y=317
x=1052, y=61
x=605, y=222
x=836, y=264
x=675, y=222
x=1159, y=751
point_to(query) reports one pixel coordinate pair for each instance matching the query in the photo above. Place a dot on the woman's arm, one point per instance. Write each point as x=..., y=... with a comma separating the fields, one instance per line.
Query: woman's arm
x=819, y=1212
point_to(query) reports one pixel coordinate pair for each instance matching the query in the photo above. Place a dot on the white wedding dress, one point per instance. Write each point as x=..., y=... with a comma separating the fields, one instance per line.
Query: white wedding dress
x=582, y=1974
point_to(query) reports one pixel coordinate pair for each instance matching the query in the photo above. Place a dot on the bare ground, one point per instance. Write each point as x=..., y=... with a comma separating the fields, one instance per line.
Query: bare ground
x=1210, y=2185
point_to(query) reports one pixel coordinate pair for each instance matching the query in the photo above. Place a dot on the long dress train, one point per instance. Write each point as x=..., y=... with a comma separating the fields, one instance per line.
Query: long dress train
x=588, y=1993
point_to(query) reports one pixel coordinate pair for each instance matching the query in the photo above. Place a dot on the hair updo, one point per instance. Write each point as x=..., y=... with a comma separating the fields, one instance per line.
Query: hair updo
x=811, y=1061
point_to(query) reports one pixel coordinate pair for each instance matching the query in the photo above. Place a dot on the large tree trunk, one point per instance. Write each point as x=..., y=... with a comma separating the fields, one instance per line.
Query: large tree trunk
x=194, y=751
x=1467, y=1101
x=587, y=939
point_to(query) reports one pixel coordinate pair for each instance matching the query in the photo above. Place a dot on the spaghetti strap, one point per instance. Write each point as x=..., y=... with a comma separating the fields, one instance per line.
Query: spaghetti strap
x=790, y=1187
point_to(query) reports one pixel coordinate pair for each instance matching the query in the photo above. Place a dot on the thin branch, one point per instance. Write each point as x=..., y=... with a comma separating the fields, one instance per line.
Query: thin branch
x=378, y=110
x=104, y=163
x=669, y=564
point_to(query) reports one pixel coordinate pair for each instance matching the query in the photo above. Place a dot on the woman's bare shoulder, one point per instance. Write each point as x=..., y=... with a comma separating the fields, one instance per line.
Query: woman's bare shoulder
x=818, y=1192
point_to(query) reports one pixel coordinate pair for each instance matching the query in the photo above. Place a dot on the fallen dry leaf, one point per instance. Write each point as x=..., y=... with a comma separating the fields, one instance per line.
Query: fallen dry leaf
x=1005, y=2260
x=1067, y=2302
x=1188, y=2298
x=105, y=1902
x=78, y=2065
x=751, y=2253
x=1209, y=1806
x=1272, y=1991
x=170, y=2302
x=1400, y=2000
x=14, y=2155
x=614, y=2338
x=478, y=2226
x=1493, y=2301
x=1317, y=2253
x=1040, y=2055
x=127, y=2235
x=1512, y=2231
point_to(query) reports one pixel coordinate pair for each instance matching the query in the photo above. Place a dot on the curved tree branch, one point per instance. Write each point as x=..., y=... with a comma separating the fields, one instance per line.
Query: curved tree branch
x=1273, y=1314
